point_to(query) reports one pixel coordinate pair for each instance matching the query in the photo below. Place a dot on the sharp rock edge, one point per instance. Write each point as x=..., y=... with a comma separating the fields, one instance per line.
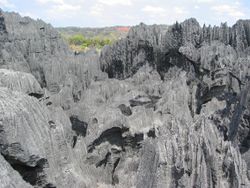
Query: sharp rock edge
x=163, y=107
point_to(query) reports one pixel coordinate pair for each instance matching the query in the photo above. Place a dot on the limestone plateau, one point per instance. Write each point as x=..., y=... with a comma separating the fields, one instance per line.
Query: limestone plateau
x=163, y=107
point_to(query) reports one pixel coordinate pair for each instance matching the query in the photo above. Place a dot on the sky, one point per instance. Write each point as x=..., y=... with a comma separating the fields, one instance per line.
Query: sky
x=99, y=13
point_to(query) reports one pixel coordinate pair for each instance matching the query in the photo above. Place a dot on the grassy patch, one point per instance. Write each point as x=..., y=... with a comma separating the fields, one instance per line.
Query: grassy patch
x=80, y=43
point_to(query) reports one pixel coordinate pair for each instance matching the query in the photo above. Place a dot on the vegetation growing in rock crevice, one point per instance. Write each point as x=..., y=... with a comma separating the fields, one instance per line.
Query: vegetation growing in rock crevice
x=80, y=43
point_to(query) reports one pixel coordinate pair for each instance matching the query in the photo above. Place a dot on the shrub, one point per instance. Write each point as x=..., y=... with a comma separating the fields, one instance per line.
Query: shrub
x=81, y=42
x=77, y=40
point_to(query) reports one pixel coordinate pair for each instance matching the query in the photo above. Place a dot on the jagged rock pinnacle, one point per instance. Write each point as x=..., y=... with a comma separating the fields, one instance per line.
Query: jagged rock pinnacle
x=166, y=106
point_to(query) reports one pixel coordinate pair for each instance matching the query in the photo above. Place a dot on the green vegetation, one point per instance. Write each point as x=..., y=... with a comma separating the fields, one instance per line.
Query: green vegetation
x=80, y=43
x=80, y=39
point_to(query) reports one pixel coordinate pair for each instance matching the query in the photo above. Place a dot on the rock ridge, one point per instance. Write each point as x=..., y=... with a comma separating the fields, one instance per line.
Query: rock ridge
x=170, y=109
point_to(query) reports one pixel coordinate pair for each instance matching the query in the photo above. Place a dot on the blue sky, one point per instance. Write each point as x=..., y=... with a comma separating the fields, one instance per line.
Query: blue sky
x=98, y=13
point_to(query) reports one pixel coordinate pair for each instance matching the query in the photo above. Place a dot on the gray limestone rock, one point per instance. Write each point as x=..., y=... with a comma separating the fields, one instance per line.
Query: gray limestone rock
x=20, y=81
x=37, y=48
x=9, y=177
x=170, y=109
x=35, y=142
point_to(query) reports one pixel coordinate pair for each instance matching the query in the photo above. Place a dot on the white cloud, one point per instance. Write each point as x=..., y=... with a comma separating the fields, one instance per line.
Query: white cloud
x=180, y=10
x=60, y=9
x=50, y=1
x=237, y=3
x=119, y=12
x=128, y=17
x=62, y=4
x=153, y=9
x=66, y=7
x=159, y=11
x=29, y=14
x=116, y=2
x=229, y=10
x=6, y=4
x=97, y=10
x=171, y=14
x=204, y=1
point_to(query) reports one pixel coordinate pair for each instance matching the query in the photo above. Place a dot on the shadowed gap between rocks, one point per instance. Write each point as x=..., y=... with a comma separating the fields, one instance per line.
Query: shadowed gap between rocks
x=79, y=127
x=204, y=95
x=235, y=122
x=114, y=136
x=33, y=175
x=36, y=95
x=147, y=101
x=174, y=58
x=125, y=110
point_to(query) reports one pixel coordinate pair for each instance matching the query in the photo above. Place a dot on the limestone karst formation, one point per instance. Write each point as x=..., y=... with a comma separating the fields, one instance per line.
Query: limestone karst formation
x=161, y=108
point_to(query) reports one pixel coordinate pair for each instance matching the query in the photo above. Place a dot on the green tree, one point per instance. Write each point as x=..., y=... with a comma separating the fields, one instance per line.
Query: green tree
x=77, y=40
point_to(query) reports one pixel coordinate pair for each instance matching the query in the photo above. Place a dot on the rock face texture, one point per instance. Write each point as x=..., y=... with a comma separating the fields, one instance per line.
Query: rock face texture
x=20, y=81
x=202, y=124
x=32, y=141
x=163, y=107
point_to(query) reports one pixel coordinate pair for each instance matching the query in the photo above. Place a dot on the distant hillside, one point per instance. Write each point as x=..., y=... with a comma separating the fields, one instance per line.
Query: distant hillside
x=115, y=32
x=83, y=38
